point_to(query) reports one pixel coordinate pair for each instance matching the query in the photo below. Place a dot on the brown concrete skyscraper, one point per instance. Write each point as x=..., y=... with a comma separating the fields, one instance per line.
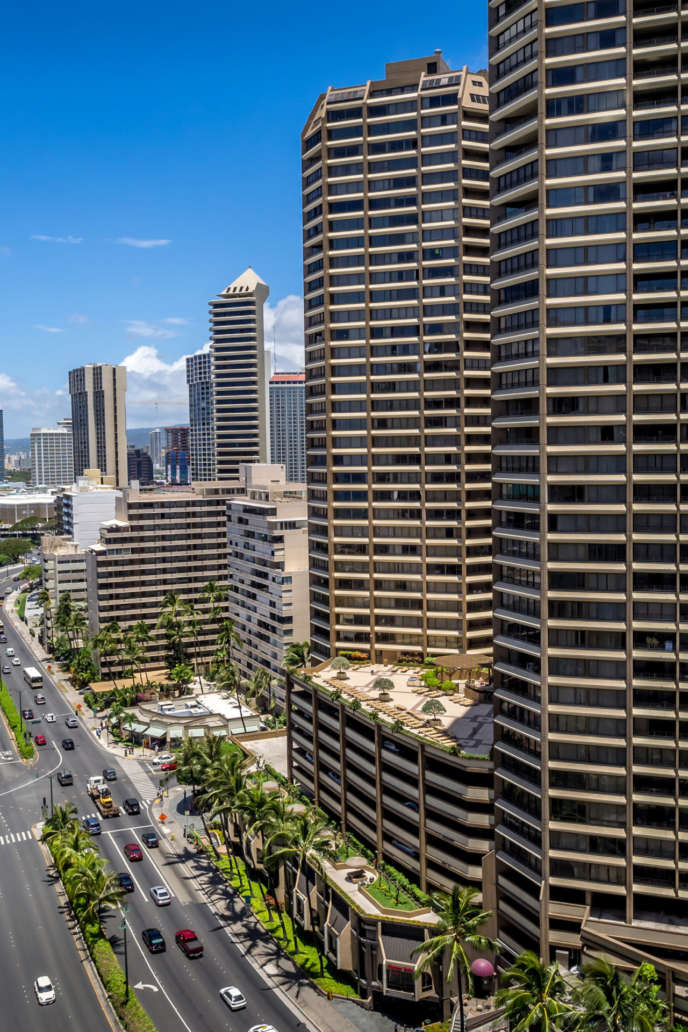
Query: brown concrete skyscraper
x=99, y=420
x=395, y=230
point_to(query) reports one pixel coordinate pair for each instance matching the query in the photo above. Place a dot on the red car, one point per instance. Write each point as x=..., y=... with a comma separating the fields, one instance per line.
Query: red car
x=132, y=851
x=187, y=942
x=169, y=765
x=39, y=739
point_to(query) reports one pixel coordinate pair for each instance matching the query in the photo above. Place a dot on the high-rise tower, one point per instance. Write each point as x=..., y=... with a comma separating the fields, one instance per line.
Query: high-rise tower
x=288, y=423
x=240, y=390
x=591, y=601
x=201, y=422
x=395, y=230
x=99, y=424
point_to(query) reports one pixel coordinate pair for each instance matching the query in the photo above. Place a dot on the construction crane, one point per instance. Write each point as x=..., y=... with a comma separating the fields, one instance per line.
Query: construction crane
x=157, y=405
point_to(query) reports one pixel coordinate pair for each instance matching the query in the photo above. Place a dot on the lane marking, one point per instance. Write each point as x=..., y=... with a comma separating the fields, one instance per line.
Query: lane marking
x=155, y=977
x=34, y=781
x=146, y=852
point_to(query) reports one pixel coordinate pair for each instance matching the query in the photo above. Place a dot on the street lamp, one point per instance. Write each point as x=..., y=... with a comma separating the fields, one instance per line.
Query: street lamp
x=123, y=926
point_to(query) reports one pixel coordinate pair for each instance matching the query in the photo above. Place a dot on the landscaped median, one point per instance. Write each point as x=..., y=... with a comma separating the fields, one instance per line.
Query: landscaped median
x=305, y=956
x=26, y=749
x=130, y=1012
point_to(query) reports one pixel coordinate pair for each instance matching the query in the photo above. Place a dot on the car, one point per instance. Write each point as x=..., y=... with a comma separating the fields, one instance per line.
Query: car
x=49, y=718
x=65, y=777
x=131, y=806
x=110, y=774
x=92, y=825
x=16, y=661
x=40, y=740
x=3, y=638
x=126, y=881
x=160, y=895
x=72, y=722
x=9, y=652
x=44, y=990
x=169, y=765
x=6, y=669
x=233, y=997
x=153, y=940
x=27, y=714
x=133, y=852
x=39, y=700
x=262, y=1028
x=161, y=758
x=188, y=943
x=150, y=839
x=67, y=743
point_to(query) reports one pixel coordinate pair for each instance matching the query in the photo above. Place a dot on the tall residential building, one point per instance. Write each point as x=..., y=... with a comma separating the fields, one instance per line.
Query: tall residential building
x=288, y=423
x=589, y=410
x=52, y=459
x=267, y=556
x=156, y=450
x=177, y=454
x=99, y=420
x=395, y=215
x=160, y=542
x=139, y=466
x=201, y=421
x=239, y=371
x=2, y=447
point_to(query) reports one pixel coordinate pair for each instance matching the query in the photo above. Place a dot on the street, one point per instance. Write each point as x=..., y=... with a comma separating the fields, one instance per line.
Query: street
x=181, y=995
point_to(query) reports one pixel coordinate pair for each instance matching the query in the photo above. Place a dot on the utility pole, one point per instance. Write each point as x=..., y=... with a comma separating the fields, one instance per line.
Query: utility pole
x=52, y=805
x=123, y=926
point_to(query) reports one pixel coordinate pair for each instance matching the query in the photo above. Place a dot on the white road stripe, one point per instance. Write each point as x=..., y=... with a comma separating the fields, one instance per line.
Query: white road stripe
x=2, y=840
x=12, y=836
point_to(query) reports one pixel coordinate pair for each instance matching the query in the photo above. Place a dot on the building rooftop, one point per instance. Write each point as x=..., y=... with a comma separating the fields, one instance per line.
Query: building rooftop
x=246, y=283
x=465, y=721
x=288, y=378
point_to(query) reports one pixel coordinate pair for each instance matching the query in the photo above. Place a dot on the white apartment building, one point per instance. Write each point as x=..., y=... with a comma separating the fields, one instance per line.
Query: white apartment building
x=52, y=460
x=83, y=508
x=267, y=556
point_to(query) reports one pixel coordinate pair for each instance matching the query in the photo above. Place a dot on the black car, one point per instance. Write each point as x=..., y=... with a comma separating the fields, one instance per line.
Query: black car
x=126, y=882
x=150, y=839
x=131, y=806
x=109, y=774
x=68, y=743
x=65, y=777
x=153, y=940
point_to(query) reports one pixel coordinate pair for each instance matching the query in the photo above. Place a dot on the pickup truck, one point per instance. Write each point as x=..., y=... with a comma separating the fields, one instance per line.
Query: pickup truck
x=100, y=794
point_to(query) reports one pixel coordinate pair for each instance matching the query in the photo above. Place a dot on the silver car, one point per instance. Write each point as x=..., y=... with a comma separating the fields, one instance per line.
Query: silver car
x=160, y=896
x=233, y=997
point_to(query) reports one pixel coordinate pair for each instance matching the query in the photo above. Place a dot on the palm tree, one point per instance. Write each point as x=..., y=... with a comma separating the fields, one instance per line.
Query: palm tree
x=212, y=595
x=297, y=656
x=458, y=928
x=304, y=838
x=224, y=787
x=172, y=622
x=142, y=636
x=63, y=818
x=227, y=639
x=227, y=677
x=533, y=995
x=612, y=1002
x=193, y=622
x=108, y=642
x=133, y=653
x=71, y=844
x=45, y=601
x=260, y=684
x=93, y=887
x=182, y=676
x=77, y=624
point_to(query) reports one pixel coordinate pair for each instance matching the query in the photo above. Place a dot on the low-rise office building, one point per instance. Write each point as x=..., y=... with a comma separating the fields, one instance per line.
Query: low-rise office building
x=20, y=505
x=267, y=554
x=417, y=791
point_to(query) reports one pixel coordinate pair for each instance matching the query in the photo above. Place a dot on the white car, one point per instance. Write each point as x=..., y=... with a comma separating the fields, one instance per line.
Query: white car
x=49, y=718
x=262, y=1028
x=161, y=758
x=9, y=652
x=160, y=896
x=16, y=661
x=233, y=997
x=44, y=990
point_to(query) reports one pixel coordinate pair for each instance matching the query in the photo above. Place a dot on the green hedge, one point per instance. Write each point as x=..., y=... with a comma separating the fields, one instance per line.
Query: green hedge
x=26, y=749
x=20, y=605
x=131, y=1014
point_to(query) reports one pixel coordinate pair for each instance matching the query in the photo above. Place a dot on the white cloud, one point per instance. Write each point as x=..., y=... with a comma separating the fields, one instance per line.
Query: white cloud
x=77, y=318
x=46, y=239
x=8, y=386
x=284, y=332
x=47, y=329
x=141, y=328
x=156, y=388
x=135, y=242
x=176, y=321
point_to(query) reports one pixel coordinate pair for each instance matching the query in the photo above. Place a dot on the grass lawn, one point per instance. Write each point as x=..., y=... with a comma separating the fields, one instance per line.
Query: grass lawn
x=20, y=605
x=389, y=896
x=305, y=955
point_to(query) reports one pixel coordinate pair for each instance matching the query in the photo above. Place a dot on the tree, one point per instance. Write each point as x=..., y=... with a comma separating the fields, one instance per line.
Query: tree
x=63, y=818
x=297, y=656
x=172, y=622
x=227, y=677
x=107, y=642
x=533, y=995
x=613, y=1002
x=212, y=595
x=45, y=601
x=458, y=928
x=341, y=664
x=182, y=676
x=133, y=653
x=433, y=708
x=93, y=887
x=193, y=623
x=224, y=786
x=227, y=639
x=383, y=686
x=83, y=669
x=72, y=843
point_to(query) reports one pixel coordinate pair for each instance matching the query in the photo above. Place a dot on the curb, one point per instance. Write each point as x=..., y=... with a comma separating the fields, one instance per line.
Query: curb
x=82, y=948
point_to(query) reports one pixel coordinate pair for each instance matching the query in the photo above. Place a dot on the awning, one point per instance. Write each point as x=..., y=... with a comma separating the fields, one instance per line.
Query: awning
x=157, y=731
x=136, y=726
x=196, y=732
x=220, y=731
x=398, y=948
x=175, y=732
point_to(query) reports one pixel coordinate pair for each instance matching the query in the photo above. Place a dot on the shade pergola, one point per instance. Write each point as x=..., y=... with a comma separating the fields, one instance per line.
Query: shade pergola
x=101, y=687
x=463, y=661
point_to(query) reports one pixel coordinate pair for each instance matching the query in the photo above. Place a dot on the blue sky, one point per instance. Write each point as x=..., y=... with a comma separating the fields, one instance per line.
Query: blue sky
x=150, y=153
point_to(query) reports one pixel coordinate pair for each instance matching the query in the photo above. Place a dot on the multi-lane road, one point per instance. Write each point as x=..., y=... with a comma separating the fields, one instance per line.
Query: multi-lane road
x=181, y=995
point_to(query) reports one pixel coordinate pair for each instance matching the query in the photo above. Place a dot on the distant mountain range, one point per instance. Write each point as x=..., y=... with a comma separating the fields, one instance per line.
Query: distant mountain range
x=138, y=436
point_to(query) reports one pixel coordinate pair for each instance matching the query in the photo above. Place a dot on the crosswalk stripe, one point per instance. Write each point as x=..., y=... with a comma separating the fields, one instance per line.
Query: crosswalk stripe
x=2, y=840
x=12, y=836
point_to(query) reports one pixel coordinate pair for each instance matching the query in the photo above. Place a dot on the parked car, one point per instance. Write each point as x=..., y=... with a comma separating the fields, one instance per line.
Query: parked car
x=262, y=1028
x=233, y=997
x=67, y=743
x=153, y=940
x=72, y=722
x=160, y=895
x=131, y=806
x=44, y=990
x=133, y=852
x=189, y=943
x=65, y=777
x=126, y=882
x=40, y=740
x=92, y=825
x=110, y=774
x=161, y=758
x=150, y=839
